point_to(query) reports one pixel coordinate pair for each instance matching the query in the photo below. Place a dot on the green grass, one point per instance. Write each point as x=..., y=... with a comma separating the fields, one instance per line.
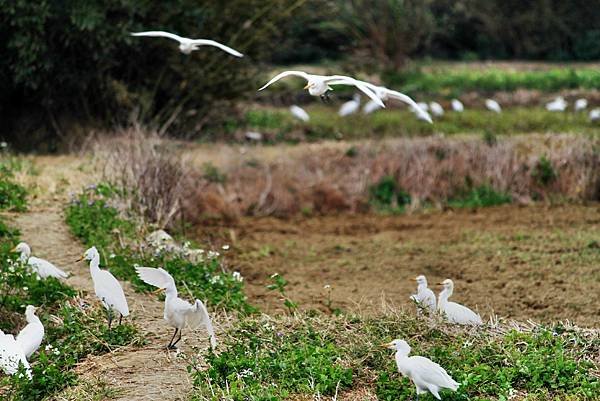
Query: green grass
x=481, y=196
x=93, y=219
x=272, y=358
x=12, y=195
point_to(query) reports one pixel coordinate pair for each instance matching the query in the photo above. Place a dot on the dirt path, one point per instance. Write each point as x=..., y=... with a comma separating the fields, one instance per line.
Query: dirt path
x=146, y=373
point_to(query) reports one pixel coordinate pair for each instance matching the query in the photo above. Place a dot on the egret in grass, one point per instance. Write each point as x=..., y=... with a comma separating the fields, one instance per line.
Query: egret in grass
x=107, y=288
x=12, y=355
x=350, y=107
x=426, y=375
x=187, y=45
x=41, y=267
x=594, y=115
x=318, y=85
x=558, y=104
x=581, y=104
x=493, y=105
x=455, y=313
x=31, y=336
x=178, y=312
x=299, y=113
x=436, y=109
x=457, y=105
x=424, y=297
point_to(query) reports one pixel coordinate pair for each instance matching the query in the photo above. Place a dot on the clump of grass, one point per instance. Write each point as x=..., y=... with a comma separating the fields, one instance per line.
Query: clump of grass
x=387, y=195
x=480, y=196
x=543, y=172
x=12, y=195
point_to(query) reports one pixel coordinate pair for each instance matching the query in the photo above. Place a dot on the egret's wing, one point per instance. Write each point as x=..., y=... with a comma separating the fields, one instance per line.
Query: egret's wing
x=157, y=277
x=365, y=87
x=45, y=269
x=11, y=354
x=110, y=291
x=161, y=34
x=406, y=99
x=208, y=42
x=430, y=372
x=199, y=315
x=285, y=74
x=30, y=338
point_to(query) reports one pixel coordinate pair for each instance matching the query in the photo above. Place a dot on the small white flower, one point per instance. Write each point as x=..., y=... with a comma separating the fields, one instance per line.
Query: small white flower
x=237, y=276
x=327, y=286
x=112, y=256
x=225, y=247
x=49, y=347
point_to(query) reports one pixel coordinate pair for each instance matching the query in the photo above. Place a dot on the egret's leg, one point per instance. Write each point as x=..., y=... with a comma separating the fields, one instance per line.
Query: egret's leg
x=325, y=98
x=172, y=338
x=120, y=319
x=178, y=338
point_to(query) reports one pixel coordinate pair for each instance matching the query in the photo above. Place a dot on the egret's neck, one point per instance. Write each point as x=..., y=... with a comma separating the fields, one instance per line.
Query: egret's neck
x=24, y=256
x=402, y=353
x=95, y=263
x=32, y=318
x=421, y=288
x=170, y=293
x=444, y=295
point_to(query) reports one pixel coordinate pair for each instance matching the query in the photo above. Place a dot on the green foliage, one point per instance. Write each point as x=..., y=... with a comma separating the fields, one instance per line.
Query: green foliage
x=12, y=195
x=267, y=360
x=388, y=195
x=481, y=196
x=279, y=284
x=543, y=172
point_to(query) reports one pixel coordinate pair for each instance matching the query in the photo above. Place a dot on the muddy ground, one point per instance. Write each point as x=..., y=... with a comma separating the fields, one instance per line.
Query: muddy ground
x=536, y=262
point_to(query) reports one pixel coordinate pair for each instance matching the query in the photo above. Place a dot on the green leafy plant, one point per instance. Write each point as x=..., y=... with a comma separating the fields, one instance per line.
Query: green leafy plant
x=279, y=284
x=543, y=172
x=388, y=195
x=480, y=196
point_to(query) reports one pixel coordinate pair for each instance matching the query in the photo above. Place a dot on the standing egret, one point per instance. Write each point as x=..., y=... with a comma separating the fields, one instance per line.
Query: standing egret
x=178, y=312
x=493, y=105
x=558, y=104
x=350, y=107
x=318, y=85
x=457, y=106
x=299, y=113
x=594, y=115
x=31, y=336
x=455, y=313
x=106, y=287
x=41, y=267
x=370, y=107
x=581, y=104
x=426, y=375
x=11, y=355
x=424, y=297
x=436, y=109
x=187, y=45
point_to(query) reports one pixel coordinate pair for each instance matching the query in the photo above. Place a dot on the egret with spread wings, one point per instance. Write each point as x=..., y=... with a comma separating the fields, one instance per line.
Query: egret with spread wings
x=187, y=45
x=12, y=355
x=178, y=312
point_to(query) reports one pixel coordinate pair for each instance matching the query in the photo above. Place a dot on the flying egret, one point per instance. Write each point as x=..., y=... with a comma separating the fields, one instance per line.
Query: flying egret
x=370, y=107
x=318, y=85
x=11, y=355
x=457, y=105
x=436, y=109
x=558, y=104
x=31, y=336
x=299, y=113
x=594, y=115
x=350, y=107
x=423, y=106
x=426, y=375
x=41, y=267
x=187, y=45
x=581, y=104
x=106, y=287
x=178, y=312
x=493, y=105
x=424, y=296
x=455, y=313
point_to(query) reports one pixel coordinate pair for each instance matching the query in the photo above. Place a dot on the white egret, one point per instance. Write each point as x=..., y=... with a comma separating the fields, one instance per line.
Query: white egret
x=493, y=105
x=581, y=104
x=178, y=312
x=453, y=312
x=318, y=85
x=558, y=104
x=299, y=113
x=436, y=109
x=594, y=115
x=350, y=107
x=423, y=106
x=426, y=375
x=187, y=45
x=41, y=267
x=31, y=336
x=457, y=105
x=370, y=107
x=106, y=287
x=424, y=297
x=11, y=355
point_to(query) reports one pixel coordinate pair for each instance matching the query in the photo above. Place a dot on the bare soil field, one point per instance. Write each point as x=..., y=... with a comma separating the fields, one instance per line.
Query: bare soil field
x=535, y=262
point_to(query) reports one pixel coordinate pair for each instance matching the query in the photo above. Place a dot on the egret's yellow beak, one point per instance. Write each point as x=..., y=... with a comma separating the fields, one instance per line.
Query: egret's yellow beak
x=307, y=86
x=386, y=345
x=416, y=278
x=80, y=259
x=14, y=249
x=158, y=291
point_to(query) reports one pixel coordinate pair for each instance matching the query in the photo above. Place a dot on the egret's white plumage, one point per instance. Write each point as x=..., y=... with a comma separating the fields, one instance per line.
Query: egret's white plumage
x=426, y=375
x=453, y=312
x=436, y=109
x=350, y=107
x=493, y=105
x=106, y=286
x=581, y=104
x=318, y=85
x=370, y=107
x=457, y=105
x=299, y=113
x=41, y=267
x=424, y=296
x=31, y=336
x=178, y=312
x=558, y=104
x=187, y=45
x=11, y=355
x=594, y=115
x=423, y=106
